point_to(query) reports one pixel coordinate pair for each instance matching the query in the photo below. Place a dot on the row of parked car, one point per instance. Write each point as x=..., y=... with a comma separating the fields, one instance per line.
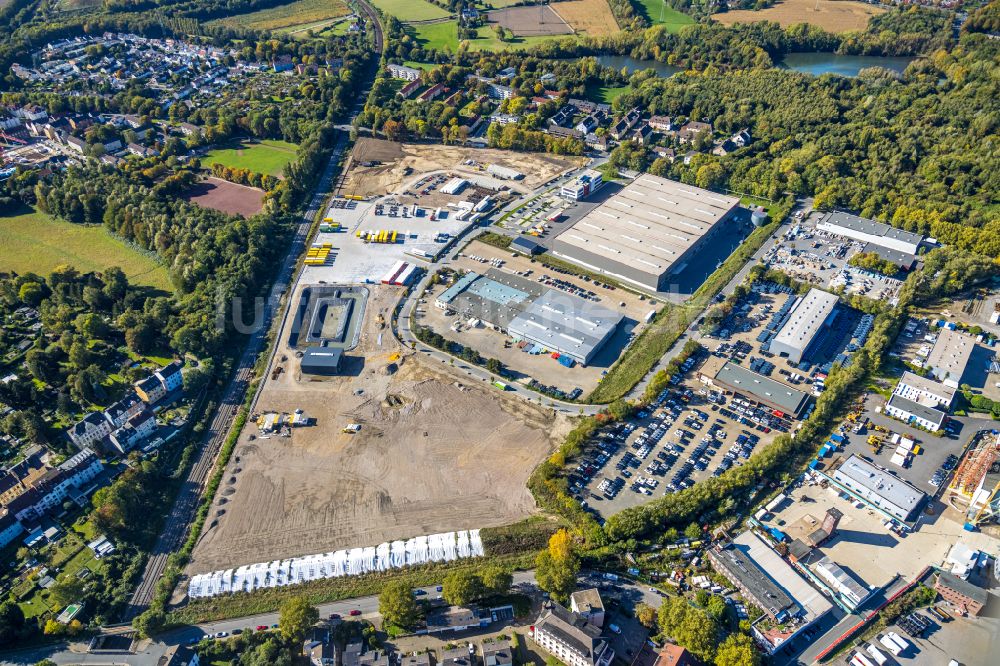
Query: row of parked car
x=942, y=472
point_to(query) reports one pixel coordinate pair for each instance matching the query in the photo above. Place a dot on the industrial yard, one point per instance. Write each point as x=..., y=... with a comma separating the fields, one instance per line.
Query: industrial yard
x=321, y=488
x=524, y=365
x=381, y=167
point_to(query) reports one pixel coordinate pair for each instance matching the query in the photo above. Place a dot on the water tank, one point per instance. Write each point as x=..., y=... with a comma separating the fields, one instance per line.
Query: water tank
x=758, y=216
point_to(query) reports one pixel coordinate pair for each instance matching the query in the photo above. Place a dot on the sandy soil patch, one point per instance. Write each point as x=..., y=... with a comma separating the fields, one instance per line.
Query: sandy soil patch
x=227, y=197
x=593, y=17
x=432, y=456
x=402, y=161
x=532, y=20
x=832, y=15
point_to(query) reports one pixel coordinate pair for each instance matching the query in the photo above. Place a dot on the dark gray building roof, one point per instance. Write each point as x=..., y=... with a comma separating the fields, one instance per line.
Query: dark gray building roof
x=763, y=389
x=571, y=629
x=904, y=260
x=864, y=225
x=767, y=594
x=963, y=587
x=935, y=416
x=321, y=360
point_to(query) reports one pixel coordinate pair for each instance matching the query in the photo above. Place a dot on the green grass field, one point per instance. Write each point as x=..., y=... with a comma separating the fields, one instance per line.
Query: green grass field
x=267, y=156
x=35, y=242
x=286, y=18
x=605, y=94
x=410, y=10
x=445, y=36
x=659, y=13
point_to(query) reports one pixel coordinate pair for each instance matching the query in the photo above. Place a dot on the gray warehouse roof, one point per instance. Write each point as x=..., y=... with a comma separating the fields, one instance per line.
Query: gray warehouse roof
x=904, y=260
x=322, y=359
x=950, y=354
x=649, y=225
x=764, y=389
x=565, y=323
x=866, y=226
x=935, y=416
x=805, y=319
x=880, y=482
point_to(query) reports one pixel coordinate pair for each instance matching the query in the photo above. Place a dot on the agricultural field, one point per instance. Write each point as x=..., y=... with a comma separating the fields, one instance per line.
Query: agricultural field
x=267, y=156
x=295, y=16
x=530, y=21
x=659, y=12
x=593, y=17
x=227, y=197
x=831, y=15
x=411, y=10
x=35, y=242
x=69, y=5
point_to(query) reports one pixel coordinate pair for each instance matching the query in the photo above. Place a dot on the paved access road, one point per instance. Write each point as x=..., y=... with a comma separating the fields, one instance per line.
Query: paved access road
x=150, y=651
x=186, y=503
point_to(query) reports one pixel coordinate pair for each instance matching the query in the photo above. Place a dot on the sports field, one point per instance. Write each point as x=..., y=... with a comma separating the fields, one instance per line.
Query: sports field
x=831, y=15
x=289, y=17
x=411, y=10
x=35, y=242
x=659, y=12
x=267, y=157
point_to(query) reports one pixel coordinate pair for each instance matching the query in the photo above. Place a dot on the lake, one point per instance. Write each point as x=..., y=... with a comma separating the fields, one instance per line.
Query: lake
x=637, y=65
x=841, y=65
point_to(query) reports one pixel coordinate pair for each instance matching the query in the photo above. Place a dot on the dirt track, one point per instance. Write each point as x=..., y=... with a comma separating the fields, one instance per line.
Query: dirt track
x=431, y=456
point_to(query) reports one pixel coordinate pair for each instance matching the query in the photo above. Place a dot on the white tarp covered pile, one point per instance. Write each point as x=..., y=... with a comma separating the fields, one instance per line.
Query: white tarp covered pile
x=353, y=562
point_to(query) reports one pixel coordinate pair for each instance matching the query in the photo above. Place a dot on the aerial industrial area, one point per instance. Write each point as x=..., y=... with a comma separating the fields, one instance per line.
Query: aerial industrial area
x=504, y=400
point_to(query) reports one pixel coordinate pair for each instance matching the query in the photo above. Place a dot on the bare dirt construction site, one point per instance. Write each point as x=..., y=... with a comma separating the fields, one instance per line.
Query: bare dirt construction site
x=432, y=455
x=832, y=15
x=593, y=17
x=530, y=21
x=227, y=197
x=398, y=162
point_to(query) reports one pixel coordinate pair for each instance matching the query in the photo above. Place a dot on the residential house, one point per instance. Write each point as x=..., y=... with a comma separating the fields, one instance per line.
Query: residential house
x=76, y=144
x=562, y=116
x=137, y=430
x=674, y=655
x=588, y=124
x=90, y=429
x=596, y=142
x=723, y=148
x=320, y=647
x=565, y=132
x=661, y=123
x=407, y=91
x=497, y=91
x=65, y=481
x=570, y=638
x=432, y=93
x=742, y=138
x=641, y=135
x=497, y=652
x=150, y=389
x=403, y=72
x=10, y=528
x=19, y=477
x=622, y=126
x=417, y=659
x=179, y=655
x=589, y=605
x=690, y=130
x=120, y=412
x=458, y=656
x=142, y=151
x=8, y=120
x=170, y=376
x=187, y=129
x=32, y=112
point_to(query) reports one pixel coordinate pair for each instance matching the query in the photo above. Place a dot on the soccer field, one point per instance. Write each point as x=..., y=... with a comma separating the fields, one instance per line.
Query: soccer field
x=267, y=157
x=35, y=242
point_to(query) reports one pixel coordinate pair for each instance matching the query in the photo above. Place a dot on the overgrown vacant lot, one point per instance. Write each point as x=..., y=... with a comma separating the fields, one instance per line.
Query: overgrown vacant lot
x=300, y=12
x=227, y=197
x=832, y=15
x=35, y=242
x=267, y=157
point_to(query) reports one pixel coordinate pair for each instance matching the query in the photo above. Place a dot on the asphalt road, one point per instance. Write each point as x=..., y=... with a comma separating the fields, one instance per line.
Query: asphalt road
x=186, y=503
x=149, y=653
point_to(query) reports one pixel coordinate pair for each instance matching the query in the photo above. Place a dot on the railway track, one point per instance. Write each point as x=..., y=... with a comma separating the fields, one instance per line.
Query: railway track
x=189, y=496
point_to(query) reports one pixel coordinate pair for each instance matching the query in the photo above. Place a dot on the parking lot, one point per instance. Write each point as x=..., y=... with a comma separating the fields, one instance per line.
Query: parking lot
x=966, y=640
x=689, y=433
x=818, y=258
